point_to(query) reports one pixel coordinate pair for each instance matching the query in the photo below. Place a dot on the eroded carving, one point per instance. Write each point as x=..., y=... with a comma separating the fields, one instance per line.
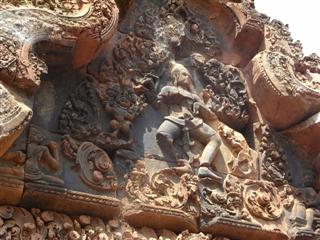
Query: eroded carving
x=274, y=162
x=227, y=93
x=14, y=116
x=166, y=188
x=226, y=203
x=43, y=159
x=262, y=200
x=166, y=129
x=96, y=167
x=184, y=109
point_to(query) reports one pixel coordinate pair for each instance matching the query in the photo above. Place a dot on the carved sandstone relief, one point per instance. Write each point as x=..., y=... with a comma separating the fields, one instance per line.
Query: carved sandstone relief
x=18, y=223
x=182, y=121
x=274, y=75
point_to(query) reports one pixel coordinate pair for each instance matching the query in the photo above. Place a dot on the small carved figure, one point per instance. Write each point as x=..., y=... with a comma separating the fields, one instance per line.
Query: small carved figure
x=243, y=160
x=43, y=160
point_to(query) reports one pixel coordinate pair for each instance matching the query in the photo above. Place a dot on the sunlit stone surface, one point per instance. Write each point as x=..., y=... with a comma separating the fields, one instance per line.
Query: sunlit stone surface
x=155, y=119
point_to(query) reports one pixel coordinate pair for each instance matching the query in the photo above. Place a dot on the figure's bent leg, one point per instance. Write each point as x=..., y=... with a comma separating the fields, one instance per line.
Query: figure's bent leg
x=166, y=134
x=208, y=155
x=206, y=135
x=210, y=151
x=309, y=218
x=51, y=156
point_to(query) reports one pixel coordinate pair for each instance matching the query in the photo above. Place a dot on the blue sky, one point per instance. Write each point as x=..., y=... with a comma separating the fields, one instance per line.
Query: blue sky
x=303, y=18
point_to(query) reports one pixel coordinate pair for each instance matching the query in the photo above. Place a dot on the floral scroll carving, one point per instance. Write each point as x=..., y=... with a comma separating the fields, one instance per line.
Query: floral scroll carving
x=96, y=167
x=165, y=188
x=262, y=200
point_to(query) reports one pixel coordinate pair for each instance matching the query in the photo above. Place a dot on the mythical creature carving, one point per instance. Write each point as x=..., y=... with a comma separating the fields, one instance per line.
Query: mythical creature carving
x=136, y=56
x=80, y=118
x=120, y=102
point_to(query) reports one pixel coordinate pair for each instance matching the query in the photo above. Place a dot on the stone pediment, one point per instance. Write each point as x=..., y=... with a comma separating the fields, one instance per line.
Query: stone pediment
x=149, y=119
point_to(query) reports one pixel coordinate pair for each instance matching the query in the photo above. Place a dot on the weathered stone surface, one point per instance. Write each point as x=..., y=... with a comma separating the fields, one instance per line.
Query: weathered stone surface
x=274, y=77
x=14, y=116
x=305, y=134
x=171, y=119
